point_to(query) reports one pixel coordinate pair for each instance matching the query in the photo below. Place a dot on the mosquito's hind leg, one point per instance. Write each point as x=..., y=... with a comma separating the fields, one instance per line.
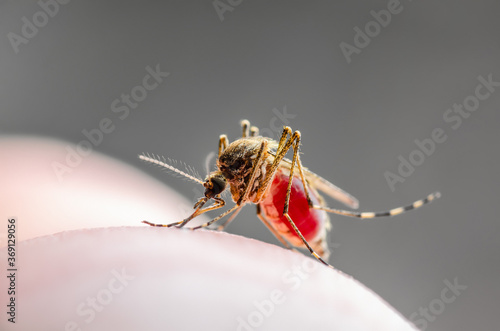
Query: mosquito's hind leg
x=392, y=212
x=247, y=130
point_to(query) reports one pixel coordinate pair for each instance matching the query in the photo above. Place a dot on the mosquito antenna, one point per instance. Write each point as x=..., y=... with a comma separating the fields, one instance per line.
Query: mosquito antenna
x=163, y=162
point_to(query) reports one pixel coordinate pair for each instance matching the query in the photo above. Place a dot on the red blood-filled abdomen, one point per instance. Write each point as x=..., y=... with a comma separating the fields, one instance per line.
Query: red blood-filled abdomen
x=311, y=222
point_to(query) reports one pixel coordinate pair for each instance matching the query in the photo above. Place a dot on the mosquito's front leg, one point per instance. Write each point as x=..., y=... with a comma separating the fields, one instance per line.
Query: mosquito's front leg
x=227, y=212
x=162, y=225
x=219, y=202
x=229, y=220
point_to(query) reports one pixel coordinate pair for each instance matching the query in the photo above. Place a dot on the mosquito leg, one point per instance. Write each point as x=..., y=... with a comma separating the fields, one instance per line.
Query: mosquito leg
x=278, y=236
x=245, y=127
x=254, y=131
x=281, y=152
x=247, y=130
x=241, y=201
x=296, y=160
x=223, y=142
x=392, y=212
x=296, y=139
x=229, y=220
x=287, y=131
x=313, y=253
x=162, y=225
x=258, y=163
x=283, y=147
x=235, y=207
x=296, y=155
x=219, y=202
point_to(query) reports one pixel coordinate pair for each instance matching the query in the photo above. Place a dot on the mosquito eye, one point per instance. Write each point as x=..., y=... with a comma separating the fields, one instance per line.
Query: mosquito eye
x=219, y=185
x=214, y=185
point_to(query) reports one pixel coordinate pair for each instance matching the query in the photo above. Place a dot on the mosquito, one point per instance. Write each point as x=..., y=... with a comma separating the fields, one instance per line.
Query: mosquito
x=283, y=190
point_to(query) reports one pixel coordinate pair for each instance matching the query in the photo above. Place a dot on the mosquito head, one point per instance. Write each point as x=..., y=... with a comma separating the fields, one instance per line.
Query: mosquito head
x=214, y=184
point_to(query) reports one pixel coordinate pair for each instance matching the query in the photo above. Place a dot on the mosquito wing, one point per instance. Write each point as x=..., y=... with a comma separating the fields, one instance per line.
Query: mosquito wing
x=326, y=187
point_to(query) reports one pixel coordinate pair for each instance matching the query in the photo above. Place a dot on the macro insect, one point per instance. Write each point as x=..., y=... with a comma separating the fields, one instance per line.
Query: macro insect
x=285, y=192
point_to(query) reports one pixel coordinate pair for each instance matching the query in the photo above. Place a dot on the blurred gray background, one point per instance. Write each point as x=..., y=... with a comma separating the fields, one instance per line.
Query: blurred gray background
x=259, y=60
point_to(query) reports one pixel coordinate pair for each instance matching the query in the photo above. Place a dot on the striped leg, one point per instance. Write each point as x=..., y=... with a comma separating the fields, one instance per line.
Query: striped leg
x=392, y=212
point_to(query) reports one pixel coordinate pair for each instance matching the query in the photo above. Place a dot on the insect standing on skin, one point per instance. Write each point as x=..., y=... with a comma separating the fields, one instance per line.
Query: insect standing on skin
x=285, y=192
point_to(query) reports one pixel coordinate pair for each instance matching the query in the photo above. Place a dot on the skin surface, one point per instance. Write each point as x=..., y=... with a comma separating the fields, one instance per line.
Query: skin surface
x=106, y=271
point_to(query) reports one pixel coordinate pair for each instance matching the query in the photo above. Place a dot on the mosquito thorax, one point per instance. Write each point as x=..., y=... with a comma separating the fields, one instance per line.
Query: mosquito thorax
x=214, y=184
x=237, y=160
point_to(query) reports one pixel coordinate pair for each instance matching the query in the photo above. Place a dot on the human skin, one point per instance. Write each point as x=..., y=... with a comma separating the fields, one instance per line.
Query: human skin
x=85, y=262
